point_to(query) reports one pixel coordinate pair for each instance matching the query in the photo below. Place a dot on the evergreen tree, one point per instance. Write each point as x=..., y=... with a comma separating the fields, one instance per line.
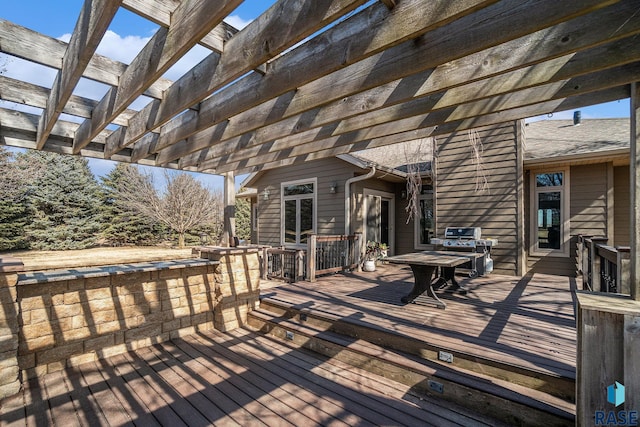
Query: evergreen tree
x=65, y=201
x=243, y=219
x=123, y=225
x=14, y=215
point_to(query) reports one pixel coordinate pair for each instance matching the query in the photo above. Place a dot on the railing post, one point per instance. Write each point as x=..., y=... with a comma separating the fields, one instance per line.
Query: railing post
x=311, y=258
x=596, y=283
x=624, y=270
x=358, y=249
x=265, y=262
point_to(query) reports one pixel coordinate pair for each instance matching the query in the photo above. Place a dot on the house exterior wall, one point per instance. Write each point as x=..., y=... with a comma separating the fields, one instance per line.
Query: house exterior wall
x=599, y=203
x=498, y=209
x=622, y=207
x=330, y=207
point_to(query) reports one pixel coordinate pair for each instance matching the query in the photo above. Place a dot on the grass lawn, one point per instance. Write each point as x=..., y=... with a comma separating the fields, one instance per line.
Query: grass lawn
x=50, y=260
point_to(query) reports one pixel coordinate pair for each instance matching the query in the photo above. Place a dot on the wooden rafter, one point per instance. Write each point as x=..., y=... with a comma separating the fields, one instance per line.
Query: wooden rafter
x=526, y=52
x=311, y=79
x=254, y=45
x=191, y=20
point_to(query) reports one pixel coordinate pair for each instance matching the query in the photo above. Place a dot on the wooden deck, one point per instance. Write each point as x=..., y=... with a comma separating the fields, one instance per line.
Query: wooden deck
x=527, y=322
x=246, y=378
x=233, y=379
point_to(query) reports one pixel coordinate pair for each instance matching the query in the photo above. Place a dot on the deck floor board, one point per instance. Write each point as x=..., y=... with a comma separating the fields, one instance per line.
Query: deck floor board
x=249, y=379
x=527, y=322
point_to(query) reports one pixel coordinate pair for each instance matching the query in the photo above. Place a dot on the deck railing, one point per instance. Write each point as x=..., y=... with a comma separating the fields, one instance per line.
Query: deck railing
x=603, y=268
x=284, y=264
x=332, y=253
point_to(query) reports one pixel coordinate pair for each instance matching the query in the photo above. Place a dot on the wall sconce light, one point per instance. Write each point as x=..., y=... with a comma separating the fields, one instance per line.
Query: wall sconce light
x=333, y=188
x=403, y=194
x=265, y=194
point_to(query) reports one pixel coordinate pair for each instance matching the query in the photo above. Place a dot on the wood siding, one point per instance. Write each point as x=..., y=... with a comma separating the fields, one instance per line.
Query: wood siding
x=495, y=209
x=622, y=207
x=589, y=213
x=330, y=207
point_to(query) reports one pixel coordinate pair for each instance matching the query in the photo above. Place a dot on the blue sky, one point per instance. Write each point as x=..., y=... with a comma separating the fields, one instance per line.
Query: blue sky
x=128, y=33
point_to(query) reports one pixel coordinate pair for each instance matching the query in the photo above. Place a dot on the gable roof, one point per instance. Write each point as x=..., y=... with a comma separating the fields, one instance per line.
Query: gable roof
x=561, y=139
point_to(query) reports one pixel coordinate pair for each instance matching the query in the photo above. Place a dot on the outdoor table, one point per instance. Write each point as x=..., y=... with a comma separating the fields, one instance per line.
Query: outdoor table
x=423, y=264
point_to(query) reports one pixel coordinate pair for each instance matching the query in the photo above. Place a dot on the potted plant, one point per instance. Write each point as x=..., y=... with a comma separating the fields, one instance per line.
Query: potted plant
x=373, y=252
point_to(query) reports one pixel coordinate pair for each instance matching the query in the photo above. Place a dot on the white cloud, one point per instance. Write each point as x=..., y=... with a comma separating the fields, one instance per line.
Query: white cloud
x=237, y=22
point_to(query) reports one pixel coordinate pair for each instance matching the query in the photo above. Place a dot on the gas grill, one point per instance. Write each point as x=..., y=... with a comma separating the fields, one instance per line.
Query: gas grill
x=468, y=239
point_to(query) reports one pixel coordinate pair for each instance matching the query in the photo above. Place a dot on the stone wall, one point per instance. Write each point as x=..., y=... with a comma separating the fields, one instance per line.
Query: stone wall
x=9, y=326
x=54, y=319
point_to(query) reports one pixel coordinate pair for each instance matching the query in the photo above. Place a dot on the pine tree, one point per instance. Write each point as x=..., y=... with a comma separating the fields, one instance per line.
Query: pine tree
x=14, y=215
x=65, y=201
x=123, y=225
x=243, y=219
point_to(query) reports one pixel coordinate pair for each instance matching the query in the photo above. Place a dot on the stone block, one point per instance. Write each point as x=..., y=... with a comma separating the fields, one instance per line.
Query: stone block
x=27, y=361
x=56, y=366
x=97, y=343
x=9, y=374
x=102, y=317
x=59, y=353
x=170, y=304
x=112, y=351
x=34, y=303
x=39, y=315
x=8, y=295
x=100, y=304
x=108, y=327
x=82, y=358
x=134, y=311
x=170, y=274
x=9, y=343
x=183, y=332
x=40, y=289
x=142, y=332
x=35, y=372
x=130, y=288
x=30, y=332
x=70, y=310
x=197, y=319
x=181, y=312
x=99, y=293
x=9, y=389
x=25, y=347
x=74, y=334
x=131, y=279
x=185, y=322
x=118, y=337
x=171, y=325
x=76, y=285
x=150, y=318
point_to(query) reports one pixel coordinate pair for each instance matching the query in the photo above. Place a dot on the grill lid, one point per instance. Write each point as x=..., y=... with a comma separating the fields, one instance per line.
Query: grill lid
x=462, y=233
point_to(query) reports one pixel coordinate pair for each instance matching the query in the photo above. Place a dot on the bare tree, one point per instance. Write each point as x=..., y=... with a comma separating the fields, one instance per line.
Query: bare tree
x=184, y=206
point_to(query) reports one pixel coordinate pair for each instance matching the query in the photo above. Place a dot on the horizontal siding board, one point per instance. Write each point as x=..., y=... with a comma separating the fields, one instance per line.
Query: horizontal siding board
x=458, y=202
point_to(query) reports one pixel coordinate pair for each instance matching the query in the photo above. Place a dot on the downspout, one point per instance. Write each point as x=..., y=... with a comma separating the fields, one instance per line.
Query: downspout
x=347, y=197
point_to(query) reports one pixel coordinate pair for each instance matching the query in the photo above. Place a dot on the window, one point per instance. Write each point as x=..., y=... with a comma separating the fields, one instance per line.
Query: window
x=424, y=226
x=550, y=208
x=298, y=211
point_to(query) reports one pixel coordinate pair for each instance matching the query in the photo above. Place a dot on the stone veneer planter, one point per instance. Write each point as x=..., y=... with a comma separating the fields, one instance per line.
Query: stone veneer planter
x=59, y=318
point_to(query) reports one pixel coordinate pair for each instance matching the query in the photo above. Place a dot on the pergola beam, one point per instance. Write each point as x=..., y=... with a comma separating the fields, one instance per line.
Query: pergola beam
x=432, y=111
x=189, y=23
x=298, y=105
x=552, y=106
x=258, y=42
x=41, y=49
x=364, y=35
x=93, y=22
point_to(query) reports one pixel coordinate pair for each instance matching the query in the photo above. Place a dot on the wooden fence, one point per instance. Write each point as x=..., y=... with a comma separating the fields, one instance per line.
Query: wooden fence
x=603, y=268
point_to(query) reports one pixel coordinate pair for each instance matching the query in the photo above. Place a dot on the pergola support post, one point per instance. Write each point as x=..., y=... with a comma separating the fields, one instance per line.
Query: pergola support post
x=634, y=167
x=229, y=230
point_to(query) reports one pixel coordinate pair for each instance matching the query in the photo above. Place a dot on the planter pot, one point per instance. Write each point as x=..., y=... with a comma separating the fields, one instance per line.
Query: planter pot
x=369, y=265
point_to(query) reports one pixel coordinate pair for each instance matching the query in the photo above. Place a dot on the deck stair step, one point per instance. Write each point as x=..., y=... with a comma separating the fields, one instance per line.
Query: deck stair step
x=512, y=403
x=482, y=361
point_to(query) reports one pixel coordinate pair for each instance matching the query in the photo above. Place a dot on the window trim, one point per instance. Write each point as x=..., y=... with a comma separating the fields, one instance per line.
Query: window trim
x=254, y=216
x=284, y=198
x=564, y=189
x=430, y=194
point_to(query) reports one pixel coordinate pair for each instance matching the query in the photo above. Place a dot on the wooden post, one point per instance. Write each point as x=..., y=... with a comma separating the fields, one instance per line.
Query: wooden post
x=595, y=262
x=311, y=258
x=358, y=249
x=634, y=169
x=229, y=230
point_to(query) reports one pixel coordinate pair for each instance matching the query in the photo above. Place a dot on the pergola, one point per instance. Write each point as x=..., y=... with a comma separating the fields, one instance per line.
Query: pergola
x=316, y=78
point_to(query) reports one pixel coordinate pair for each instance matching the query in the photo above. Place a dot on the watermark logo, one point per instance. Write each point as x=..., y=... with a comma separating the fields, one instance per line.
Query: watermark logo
x=615, y=394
